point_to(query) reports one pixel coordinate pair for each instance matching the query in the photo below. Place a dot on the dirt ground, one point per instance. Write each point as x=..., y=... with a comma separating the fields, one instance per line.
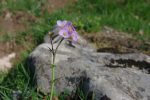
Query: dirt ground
x=111, y=40
x=14, y=22
x=11, y=23
x=52, y=5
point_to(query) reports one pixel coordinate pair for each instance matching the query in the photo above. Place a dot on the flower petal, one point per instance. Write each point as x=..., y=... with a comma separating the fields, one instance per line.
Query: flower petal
x=61, y=23
x=64, y=33
x=74, y=36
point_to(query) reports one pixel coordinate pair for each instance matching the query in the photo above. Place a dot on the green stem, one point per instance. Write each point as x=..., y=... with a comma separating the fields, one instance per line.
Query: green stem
x=53, y=81
x=53, y=68
x=58, y=45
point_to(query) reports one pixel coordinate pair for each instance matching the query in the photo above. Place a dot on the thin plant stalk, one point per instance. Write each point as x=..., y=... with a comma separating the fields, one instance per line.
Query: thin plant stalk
x=53, y=68
x=52, y=80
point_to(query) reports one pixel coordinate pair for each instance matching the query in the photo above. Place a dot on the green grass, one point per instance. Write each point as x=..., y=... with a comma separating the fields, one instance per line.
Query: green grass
x=124, y=15
x=89, y=15
x=32, y=6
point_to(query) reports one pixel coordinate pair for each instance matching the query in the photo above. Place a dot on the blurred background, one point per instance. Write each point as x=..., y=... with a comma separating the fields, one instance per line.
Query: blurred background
x=117, y=26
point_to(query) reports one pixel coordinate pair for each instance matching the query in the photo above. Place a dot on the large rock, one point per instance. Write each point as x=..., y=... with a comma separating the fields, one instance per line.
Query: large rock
x=115, y=76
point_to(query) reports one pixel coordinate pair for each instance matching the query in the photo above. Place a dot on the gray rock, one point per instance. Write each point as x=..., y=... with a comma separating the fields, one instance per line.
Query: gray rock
x=116, y=76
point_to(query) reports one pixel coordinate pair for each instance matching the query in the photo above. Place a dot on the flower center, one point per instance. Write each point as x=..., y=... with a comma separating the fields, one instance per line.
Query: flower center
x=65, y=33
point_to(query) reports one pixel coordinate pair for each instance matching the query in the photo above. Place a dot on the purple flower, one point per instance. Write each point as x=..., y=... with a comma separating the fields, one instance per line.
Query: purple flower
x=74, y=36
x=67, y=30
x=61, y=24
x=64, y=33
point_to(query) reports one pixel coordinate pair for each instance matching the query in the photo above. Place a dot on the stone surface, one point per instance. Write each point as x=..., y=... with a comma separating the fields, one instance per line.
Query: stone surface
x=5, y=62
x=107, y=75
